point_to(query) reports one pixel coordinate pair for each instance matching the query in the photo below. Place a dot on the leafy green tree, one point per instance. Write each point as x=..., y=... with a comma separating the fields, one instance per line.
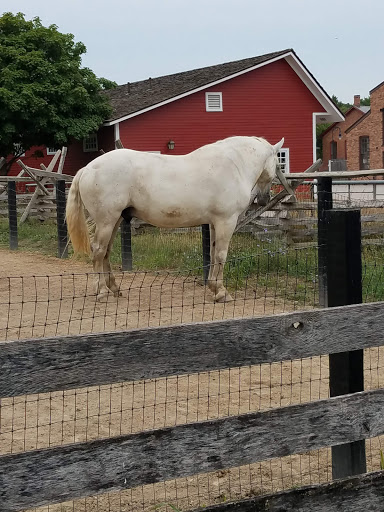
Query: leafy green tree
x=342, y=106
x=46, y=97
x=366, y=102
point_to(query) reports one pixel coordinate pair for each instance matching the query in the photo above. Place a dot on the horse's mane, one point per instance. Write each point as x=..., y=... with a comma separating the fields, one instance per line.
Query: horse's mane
x=227, y=140
x=260, y=139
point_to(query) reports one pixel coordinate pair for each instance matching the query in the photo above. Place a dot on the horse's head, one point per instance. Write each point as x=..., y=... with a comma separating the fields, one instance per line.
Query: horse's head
x=271, y=166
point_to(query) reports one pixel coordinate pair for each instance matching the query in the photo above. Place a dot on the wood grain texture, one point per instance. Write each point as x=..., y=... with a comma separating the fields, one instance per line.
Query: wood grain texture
x=52, y=364
x=58, y=474
x=355, y=494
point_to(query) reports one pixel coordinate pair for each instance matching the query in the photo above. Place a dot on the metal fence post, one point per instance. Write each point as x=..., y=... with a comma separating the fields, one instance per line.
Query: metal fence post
x=324, y=202
x=62, y=233
x=341, y=278
x=12, y=215
x=206, y=240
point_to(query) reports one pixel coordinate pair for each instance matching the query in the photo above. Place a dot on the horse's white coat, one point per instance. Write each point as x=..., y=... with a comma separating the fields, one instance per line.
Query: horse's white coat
x=211, y=185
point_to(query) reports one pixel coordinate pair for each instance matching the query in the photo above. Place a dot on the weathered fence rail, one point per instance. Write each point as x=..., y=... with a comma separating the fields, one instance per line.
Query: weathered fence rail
x=365, y=492
x=57, y=474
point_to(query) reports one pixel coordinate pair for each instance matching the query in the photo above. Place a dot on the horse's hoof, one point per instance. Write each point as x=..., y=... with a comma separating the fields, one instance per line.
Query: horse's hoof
x=102, y=297
x=223, y=297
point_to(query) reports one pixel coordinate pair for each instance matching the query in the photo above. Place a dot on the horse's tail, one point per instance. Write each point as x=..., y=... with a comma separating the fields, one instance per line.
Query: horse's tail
x=76, y=221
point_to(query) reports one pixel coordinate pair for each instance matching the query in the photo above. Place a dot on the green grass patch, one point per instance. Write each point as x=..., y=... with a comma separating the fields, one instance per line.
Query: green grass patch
x=265, y=265
x=33, y=235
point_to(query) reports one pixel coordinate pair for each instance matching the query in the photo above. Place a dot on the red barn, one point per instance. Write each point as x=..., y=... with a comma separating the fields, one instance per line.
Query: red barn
x=271, y=96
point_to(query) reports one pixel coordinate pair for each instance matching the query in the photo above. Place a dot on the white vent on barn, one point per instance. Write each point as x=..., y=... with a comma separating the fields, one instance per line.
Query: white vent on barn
x=90, y=143
x=214, y=101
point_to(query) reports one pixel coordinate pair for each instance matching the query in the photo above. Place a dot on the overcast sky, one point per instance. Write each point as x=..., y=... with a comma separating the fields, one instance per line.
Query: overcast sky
x=340, y=41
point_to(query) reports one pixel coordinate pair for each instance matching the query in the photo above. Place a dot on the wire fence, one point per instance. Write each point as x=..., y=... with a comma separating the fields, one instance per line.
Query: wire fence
x=264, y=274
x=59, y=418
x=268, y=283
x=51, y=305
x=289, y=224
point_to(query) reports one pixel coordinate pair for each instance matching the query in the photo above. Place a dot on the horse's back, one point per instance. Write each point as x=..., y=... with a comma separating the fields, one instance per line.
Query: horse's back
x=171, y=190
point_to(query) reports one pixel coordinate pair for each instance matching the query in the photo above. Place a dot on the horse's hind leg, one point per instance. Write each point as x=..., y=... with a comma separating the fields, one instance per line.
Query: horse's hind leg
x=211, y=283
x=223, y=233
x=100, y=243
x=109, y=276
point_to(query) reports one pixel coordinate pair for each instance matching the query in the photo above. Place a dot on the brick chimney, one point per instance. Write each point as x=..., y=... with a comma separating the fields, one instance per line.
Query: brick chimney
x=356, y=100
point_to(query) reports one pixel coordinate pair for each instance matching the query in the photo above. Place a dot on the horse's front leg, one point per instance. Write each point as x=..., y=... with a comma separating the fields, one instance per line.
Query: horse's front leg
x=223, y=233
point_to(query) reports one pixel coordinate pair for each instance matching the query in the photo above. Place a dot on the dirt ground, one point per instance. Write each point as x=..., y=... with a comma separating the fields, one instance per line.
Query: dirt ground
x=42, y=296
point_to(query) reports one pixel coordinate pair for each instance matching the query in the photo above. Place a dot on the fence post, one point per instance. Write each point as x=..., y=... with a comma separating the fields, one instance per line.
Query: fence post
x=62, y=233
x=206, y=239
x=12, y=215
x=324, y=202
x=126, y=243
x=341, y=283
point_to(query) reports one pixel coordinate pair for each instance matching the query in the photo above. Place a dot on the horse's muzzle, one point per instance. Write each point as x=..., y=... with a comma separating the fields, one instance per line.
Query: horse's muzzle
x=263, y=200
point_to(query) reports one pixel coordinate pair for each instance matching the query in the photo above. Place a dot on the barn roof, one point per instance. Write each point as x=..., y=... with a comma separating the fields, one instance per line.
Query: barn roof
x=135, y=98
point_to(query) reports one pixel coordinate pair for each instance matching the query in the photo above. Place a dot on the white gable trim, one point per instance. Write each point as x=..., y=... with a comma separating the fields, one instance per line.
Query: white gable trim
x=117, y=131
x=331, y=111
x=314, y=148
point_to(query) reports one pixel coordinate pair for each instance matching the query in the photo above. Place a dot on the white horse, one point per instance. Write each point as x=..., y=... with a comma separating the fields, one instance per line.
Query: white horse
x=212, y=185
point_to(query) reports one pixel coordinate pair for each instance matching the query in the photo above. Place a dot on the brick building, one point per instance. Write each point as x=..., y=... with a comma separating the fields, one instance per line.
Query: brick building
x=335, y=139
x=365, y=138
x=359, y=140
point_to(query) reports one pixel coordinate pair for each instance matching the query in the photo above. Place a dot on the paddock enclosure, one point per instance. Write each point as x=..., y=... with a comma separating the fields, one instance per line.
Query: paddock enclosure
x=130, y=430
x=162, y=399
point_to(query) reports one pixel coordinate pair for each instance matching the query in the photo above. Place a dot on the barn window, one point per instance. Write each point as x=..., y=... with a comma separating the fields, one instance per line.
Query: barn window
x=283, y=156
x=214, y=101
x=51, y=151
x=90, y=143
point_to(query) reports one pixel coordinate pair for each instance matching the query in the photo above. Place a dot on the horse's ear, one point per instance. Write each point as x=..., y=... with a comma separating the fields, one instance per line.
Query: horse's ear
x=278, y=146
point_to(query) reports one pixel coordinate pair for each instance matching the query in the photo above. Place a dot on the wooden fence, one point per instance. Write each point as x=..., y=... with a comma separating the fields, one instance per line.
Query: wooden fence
x=42, y=210
x=352, y=415
x=57, y=474
x=296, y=222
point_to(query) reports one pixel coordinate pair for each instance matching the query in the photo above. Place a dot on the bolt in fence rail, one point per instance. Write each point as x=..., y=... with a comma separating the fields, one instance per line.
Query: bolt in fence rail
x=340, y=275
